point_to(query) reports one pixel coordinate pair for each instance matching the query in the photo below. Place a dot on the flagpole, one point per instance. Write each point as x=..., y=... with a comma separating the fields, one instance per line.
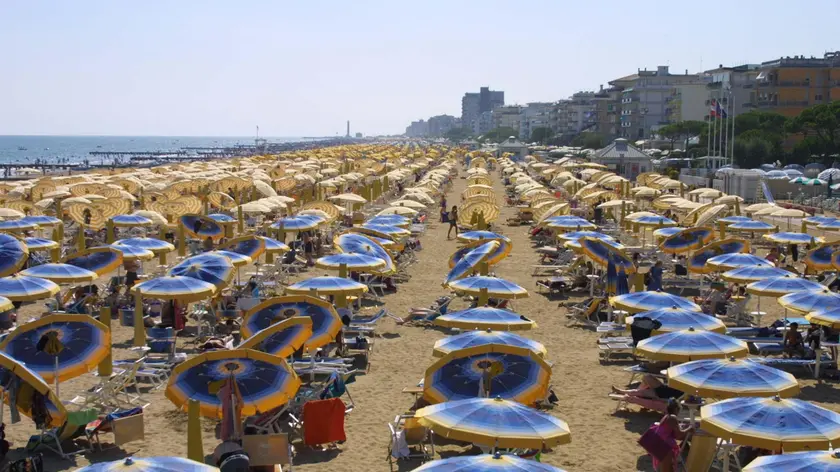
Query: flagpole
x=709, y=132
x=714, y=127
x=723, y=125
x=732, y=115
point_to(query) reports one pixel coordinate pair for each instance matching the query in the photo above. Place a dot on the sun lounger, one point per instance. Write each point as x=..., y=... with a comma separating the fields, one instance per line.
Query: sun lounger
x=584, y=313
x=126, y=425
x=73, y=427
x=606, y=351
x=409, y=440
x=812, y=366
x=624, y=401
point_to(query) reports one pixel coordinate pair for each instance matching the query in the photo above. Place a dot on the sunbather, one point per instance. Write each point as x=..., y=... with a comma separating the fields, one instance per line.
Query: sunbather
x=651, y=388
x=793, y=343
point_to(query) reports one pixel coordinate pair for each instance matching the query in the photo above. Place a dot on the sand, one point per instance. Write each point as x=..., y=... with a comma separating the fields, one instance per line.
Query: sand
x=602, y=440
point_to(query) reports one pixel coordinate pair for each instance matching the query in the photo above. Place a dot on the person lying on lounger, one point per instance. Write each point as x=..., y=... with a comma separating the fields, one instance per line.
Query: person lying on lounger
x=650, y=388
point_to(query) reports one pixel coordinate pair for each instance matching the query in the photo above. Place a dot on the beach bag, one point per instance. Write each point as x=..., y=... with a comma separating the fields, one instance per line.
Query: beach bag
x=653, y=442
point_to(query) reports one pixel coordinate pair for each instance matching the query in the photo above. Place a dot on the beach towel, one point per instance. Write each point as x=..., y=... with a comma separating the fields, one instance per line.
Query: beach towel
x=323, y=422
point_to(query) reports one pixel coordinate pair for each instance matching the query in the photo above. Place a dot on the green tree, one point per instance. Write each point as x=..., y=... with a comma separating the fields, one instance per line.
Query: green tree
x=752, y=151
x=820, y=123
x=589, y=140
x=498, y=135
x=458, y=134
x=541, y=134
x=681, y=131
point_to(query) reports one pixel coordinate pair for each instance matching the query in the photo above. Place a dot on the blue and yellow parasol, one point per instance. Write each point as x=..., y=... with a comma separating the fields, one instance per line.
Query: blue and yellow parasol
x=201, y=227
x=60, y=273
x=495, y=422
x=808, y=461
x=326, y=286
x=691, y=344
x=726, y=262
x=752, y=227
x=678, y=319
x=359, y=243
x=568, y=223
x=264, y=381
x=495, y=370
x=325, y=320
x=237, y=259
x=131, y=221
x=131, y=253
x=602, y=253
x=149, y=464
x=382, y=231
x=391, y=220
x=729, y=220
x=471, y=236
x=575, y=235
x=221, y=218
x=728, y=378
x=772, y=423
x=273, y=246
x=281, y=339
x=820, y=258
x=350, y=261
x=250, y=245
x=792, y=238
x=157, y=246
x=662, y=233
x=15, y=226
x=483, y=318
x=687, y=240
x=497, y=256
x=59, y=347
x=782, y=285
x=296, y=223
x=472, y=260
x=39, y=244
x=211, y=268
x=475, y=338
x=486, y=463
x=100, y=260
x=808, y=301
x=752, y=273
x=19, y=288
x=41, y=220
x=490, y=286
x=826, y=317
x=697, y=262
x=181, y=288
x=15, y=374
x=651, y=300
x=654, y=220
x=13, y=254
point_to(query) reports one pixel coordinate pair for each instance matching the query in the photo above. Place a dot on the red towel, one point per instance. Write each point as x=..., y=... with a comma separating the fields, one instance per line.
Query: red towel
x=323, y=422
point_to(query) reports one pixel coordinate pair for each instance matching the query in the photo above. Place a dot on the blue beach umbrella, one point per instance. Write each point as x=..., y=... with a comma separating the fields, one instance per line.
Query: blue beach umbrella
x=697, y=261
x=471, y=261
x=748, y=274
x=612, y=278
x=19, y=288
x=776, y=424
x=478, y=235
x=59, y=347
x=201, y=227
x=327, y=286
x=149, y=464
x=493, y=286
x=325, y=320
x=486, y=463
x=17, y=225
x=571, y=223
x=752, y=227
x=691, y=344
x=734, y=219
x=622, y=286
x=576, y=246
x=393, y=220
x=281, y=339
x=495, y=422
x=388, y=230
x=501, y=252
x=485, y=318
x=38, y=244
x=666, y=232
x=474, y=338
x=726, y=262
x=603, y=253
x=496, y=370
x=819, y=220
x=250, y=245
x=211, y=268
x=60, y=273
x=133, y=253
x=575, y=235
x=264, y=381
x=651, y=300
x=171, y=287
x=819, y=258
x=16, y=377
x=790, y=237
x=808, y=301
x=273, y=246
x=150, y=244
x=678, y=319
x=236, y=258
x=297, y=223
x=100, y=260
x=830, y=225
x=687, y=240
x=782, y=285
x=809, y=461
x=359, y=243
x=131, y=220
x=13, y=254
x=728, y=378
x=41, y=220
x=655, y=220
x=221, y=218
x=826, y=317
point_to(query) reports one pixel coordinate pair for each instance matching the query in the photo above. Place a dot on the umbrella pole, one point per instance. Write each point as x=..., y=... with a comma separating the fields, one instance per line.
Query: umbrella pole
x=182, y=249
x=195, y=447
x=106, y=367
x=56, y=375
x=483, y=297
x=139, y=329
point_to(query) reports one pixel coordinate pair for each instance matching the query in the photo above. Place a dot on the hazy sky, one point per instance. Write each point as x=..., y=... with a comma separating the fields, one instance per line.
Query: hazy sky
x=295, y=68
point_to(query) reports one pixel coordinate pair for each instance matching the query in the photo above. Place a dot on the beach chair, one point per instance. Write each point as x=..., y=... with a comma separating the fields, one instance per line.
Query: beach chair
x=125, y=425
x=268, y=450
x=583, y=313
x=409, y=440
x=609, y=349
x=269, y=422
x=73, y=427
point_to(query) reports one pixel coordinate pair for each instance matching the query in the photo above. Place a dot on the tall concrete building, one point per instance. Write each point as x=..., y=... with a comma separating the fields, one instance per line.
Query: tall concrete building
x=571, y=116
x=474, y=104
x=507, y=117
x=533, y=115
x=440, y=125
x=734, y=87
x=655, y=98
x=417, y=129
x=789, y=85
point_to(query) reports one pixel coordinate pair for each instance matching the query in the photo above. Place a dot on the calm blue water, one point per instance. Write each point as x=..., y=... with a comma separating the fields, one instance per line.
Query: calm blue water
x=76, y=148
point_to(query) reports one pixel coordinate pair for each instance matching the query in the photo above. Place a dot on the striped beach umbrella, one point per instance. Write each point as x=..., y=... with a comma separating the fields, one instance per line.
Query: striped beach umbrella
x=281, y=339
x=325, y=320
x=808, y=301
x=774, y=423
x=483, y=318
x=264, y=381
x=492, y=370
x=652, y=300
x=678, y=319
x=495, y=422
x=13, y=254
x=691, y=344
x=752, y=273
x=19, y=288
x=475, y=338
x=728, y=378
x=59, y=347
x=730, y=261
x=149, y=464
x=808, y=461
x=60, y=273
x=6, y=304
x=99, y=260
x=486, y=463
x=211, y=268
x=170, y=287
x=471, y=261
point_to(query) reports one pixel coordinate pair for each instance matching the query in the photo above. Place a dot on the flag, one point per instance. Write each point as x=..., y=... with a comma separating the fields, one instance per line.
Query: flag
x=713, y=108
x=720, y=111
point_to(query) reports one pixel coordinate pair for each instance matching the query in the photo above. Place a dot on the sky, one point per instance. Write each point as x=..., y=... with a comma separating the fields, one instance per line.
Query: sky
x=220, y=68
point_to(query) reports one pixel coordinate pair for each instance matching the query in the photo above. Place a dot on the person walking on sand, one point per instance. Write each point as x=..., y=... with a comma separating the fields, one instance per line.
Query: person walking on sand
x=453, y=222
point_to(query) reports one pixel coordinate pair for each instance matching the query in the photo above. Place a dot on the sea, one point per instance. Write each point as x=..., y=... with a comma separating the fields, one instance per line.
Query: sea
x=76, y=149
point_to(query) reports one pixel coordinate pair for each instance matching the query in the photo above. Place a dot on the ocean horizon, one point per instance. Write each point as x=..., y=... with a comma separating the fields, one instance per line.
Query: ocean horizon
x=27, y=149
